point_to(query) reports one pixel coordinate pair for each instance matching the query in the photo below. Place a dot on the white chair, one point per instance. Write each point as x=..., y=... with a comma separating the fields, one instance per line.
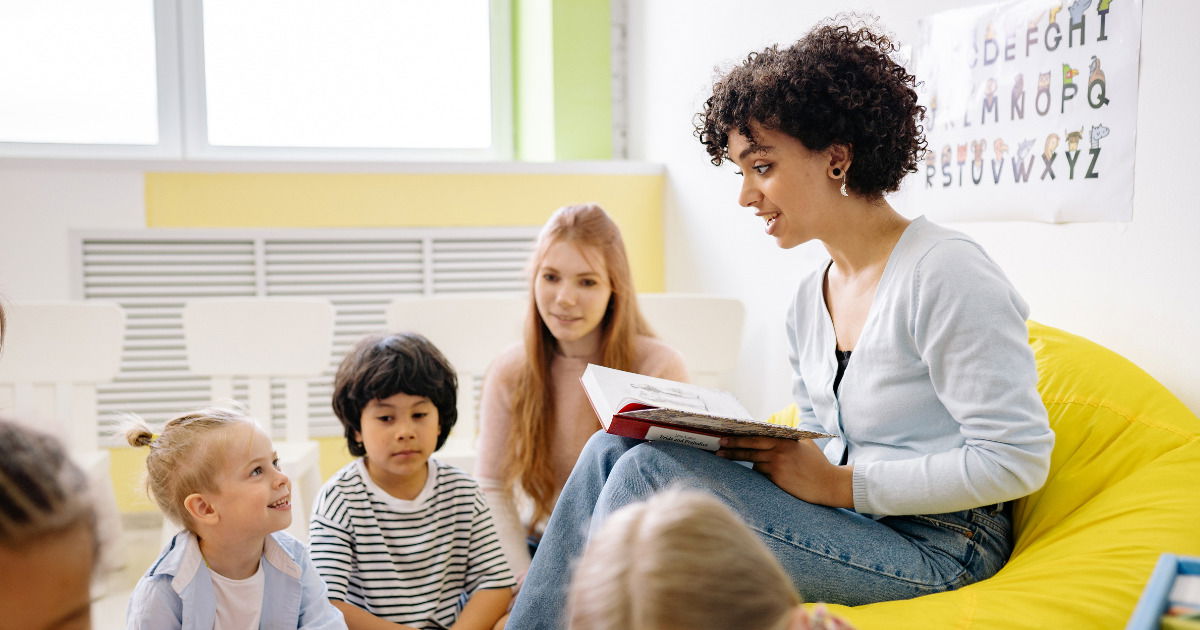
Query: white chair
x=471, y=330
x=706, y=330
x=260, y=339
x=55, y=353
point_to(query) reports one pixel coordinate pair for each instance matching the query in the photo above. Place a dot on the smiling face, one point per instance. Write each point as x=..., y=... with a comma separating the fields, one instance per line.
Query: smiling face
x=399, y=433
x=789, y=186
x=253, y=496
x=45, y=585
x=572, y=291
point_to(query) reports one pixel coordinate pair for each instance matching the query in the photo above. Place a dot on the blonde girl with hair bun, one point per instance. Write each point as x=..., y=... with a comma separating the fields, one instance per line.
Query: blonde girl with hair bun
x=681, y=559
x=534, y=416
x=215, y=472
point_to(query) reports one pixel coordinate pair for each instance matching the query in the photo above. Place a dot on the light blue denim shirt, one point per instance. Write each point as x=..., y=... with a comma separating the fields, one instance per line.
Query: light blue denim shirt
x=177, y=590
x=938, y=410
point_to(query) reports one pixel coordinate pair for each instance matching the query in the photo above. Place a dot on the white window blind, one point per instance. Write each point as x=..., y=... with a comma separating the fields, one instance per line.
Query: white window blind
x=153, y=273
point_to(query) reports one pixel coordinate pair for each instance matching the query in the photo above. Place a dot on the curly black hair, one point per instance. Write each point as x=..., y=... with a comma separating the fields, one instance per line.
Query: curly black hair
x=380, y=366
x=836, y=85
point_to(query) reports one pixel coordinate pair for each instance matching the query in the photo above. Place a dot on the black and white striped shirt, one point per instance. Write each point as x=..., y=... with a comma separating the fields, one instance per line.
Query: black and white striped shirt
x=411, y=562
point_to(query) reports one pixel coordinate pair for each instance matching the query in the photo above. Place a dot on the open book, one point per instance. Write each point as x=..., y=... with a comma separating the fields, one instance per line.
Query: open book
x=649, y=408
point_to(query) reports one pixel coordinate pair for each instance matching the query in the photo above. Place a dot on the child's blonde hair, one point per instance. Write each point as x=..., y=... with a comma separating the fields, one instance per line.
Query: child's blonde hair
x=678, y=560
x=42, y=492
x=183, y=460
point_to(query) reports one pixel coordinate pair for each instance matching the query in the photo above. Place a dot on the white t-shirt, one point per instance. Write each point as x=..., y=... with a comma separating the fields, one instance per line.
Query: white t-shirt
x=239, y=602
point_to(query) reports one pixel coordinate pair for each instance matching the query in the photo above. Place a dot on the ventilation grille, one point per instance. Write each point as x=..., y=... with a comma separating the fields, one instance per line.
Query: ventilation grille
x=360, y=272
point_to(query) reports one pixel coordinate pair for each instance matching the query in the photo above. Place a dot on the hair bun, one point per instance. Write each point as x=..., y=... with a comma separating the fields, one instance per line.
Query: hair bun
x=139, y=436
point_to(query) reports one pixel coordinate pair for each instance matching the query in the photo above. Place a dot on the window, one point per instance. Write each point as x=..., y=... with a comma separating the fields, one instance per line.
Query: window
x=81, y=78
x=256, y=79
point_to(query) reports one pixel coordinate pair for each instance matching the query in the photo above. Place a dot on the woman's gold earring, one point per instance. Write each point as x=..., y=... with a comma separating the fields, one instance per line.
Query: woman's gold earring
x=844, y=193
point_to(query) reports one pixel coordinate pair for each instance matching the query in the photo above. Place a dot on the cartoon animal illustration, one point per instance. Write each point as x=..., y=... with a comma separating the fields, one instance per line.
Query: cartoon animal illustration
x=930, y=157
x=1018, y=89
x=1024, y=147
x=1054, y=13
x=1042, y=100
x=990, y=101
x=1069, y=74
x=1077, y=8
x=1095, y=74
x=977, y=149
x=961, y=155
x=1102, y=10
x=1098, y=132
x=1073, y=138
x=946, y=155
x=1000, y=147
x=1050, y=146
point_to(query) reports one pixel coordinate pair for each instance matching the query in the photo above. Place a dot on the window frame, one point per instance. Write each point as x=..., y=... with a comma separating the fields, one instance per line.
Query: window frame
x=182, y=116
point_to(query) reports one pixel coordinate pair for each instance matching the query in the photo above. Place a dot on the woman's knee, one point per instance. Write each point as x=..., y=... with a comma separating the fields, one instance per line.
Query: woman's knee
x=663, y=464
x=605, y=446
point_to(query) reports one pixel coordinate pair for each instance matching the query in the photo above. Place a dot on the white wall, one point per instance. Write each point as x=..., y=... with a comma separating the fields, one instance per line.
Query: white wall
x=38, y=208
x=1129, y=286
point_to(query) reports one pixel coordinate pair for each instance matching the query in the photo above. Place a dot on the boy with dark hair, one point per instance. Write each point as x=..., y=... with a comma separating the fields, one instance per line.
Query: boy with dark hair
x=398, y=536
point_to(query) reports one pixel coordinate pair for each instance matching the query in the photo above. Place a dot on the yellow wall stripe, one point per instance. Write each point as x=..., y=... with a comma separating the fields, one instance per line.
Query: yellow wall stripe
x=229, y=200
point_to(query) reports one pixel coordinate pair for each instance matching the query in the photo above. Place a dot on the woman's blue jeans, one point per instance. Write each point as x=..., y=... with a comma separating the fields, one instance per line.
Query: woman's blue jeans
x=833, y=555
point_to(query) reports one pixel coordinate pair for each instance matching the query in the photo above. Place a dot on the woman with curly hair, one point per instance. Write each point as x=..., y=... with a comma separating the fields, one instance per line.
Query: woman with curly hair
x=908, y=344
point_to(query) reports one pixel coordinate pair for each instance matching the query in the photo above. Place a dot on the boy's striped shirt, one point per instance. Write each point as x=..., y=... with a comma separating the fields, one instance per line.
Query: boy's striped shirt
x=411, y=562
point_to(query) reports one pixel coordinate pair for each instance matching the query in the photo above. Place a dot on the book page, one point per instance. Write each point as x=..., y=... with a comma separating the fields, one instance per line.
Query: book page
x=678, y=406
x=607, y=385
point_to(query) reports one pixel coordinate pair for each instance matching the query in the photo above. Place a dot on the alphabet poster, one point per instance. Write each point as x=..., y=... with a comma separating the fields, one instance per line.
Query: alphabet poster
x=1031, y=111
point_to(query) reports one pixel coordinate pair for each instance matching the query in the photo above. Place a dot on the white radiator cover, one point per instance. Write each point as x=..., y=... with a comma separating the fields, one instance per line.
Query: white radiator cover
x=152, y=273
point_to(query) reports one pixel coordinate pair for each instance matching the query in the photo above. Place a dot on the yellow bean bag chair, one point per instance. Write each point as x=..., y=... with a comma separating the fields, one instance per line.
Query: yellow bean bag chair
x=1122, y=489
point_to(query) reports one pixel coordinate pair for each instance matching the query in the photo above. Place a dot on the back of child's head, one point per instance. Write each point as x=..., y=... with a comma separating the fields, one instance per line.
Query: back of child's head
x=381, y=366
x=678, y=560
x=42, y=492
x=49, y=547
x=185, y=458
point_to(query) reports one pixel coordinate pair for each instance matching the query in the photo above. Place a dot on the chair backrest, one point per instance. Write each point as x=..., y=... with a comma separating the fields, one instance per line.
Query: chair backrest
x=261, y=339
x=471, y=330
x=54, y=355
x=706, y=330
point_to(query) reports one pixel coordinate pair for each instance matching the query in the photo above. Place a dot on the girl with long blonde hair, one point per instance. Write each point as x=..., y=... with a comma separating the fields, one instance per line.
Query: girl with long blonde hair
x=534, y=416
